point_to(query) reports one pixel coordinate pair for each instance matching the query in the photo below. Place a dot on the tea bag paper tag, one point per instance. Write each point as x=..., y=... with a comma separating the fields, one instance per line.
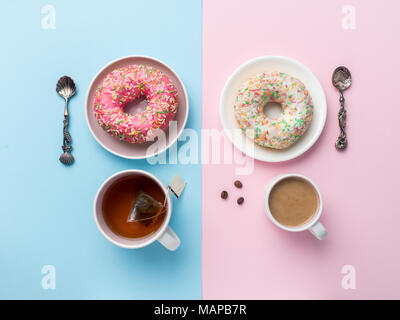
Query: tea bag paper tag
x=177, y=185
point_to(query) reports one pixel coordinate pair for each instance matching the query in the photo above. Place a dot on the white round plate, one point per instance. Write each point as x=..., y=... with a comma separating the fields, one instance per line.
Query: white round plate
x=272, y=63
x=135, y=150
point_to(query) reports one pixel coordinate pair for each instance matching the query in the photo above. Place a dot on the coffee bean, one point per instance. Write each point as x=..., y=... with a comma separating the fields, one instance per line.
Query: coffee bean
x=240, y=200
x=238, y=184
x=224, y=194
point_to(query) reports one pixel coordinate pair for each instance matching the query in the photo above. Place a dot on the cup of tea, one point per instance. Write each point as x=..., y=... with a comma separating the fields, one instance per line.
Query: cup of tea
x=132, y=209
x=294, y=203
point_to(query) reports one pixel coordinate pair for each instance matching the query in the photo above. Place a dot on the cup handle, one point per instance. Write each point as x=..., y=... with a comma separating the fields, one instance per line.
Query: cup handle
x=169, y=239
x=318, y=230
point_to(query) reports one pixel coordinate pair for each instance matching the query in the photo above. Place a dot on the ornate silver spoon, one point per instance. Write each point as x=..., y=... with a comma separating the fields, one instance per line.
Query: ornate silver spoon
x=66, y=89
x=341, y=80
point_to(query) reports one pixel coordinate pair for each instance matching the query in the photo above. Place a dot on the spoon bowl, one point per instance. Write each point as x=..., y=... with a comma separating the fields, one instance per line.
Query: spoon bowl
x=66, y=87
x=341, y=78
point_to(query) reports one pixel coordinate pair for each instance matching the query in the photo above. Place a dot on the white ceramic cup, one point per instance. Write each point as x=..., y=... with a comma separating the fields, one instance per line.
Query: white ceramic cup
x=165, y=235
x=313, y=225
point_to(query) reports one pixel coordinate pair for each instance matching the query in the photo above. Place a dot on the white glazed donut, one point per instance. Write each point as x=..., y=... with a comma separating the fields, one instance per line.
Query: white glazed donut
x=297, y=109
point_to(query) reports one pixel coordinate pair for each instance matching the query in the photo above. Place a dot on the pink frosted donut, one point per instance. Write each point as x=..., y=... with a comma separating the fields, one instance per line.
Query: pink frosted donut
x=126, y=84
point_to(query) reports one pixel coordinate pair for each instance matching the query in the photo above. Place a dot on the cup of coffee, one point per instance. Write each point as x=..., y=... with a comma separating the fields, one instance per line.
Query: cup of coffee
x=294, y=203
x=132, y=209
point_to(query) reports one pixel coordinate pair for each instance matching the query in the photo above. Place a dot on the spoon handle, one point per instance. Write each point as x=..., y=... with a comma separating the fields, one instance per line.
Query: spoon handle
x=67, y=135
x=66, y=158
x=341, y=142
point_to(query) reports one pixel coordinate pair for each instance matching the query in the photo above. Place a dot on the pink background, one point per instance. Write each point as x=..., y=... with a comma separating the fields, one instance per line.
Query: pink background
x=244, y=255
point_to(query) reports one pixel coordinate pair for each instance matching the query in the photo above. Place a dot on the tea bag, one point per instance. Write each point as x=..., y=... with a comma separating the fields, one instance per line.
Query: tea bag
x=145, y=208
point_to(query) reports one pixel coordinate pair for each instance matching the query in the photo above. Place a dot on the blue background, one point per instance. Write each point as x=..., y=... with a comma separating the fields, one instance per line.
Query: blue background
x=46, y=208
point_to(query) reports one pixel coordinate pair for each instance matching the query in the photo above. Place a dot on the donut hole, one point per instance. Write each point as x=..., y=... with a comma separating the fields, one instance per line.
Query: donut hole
x=136, y=106
x=272, y=110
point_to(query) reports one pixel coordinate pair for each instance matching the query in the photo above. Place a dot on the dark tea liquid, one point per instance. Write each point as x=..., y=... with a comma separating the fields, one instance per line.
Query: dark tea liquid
x=118, y=203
